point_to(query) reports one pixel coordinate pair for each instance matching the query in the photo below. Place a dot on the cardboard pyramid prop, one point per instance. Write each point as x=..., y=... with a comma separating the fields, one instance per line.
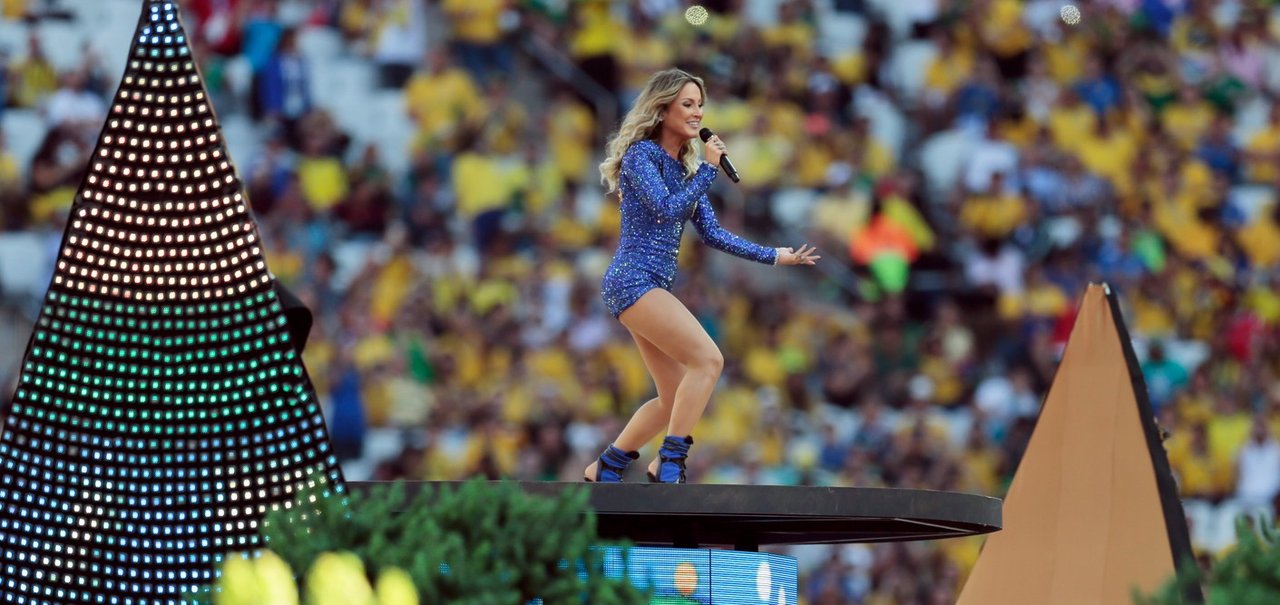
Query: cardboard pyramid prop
x=1092, y=512
x=162, y=407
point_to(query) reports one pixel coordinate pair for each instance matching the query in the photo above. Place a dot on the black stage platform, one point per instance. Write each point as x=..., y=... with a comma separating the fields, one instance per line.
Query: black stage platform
x=743, y=517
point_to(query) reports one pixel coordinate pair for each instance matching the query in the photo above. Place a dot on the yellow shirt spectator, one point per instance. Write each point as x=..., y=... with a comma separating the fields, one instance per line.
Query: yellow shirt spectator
x=1110, y=154
x=9, y=177
x=1066, y=59
x=763, y=365
x=877, y=160
x=569, y=136
x=1184, y=230
x=480, y=184
x=1196, y=179
x=1070, y=124
x=994, y=215
x=810, y=164
x=905, y=215
x=729, y=114
x=599, y=33
x=764, y=156
x=504, y=125
x=34, y=78
x=440, y=101
x=795, y=35
x=1041, y=299
x=1266, y=303
x=1152, y=316
x=1227, y=434
x=323, y=181
x=357, y=19
x=394, y=281
x=1187, y=120
x=948, y=70
x=1002, y=29
x=1260, y=240
x=1022, y=132
x=540, y=184
x=14, y=9
x=475, y=21
x=849, y=67
x=841, y=212
x=1201, y=472
x=1266, y=143
x=642, y=53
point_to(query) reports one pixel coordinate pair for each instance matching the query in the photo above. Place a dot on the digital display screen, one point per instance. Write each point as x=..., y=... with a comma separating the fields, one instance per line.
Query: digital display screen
x=687, y=575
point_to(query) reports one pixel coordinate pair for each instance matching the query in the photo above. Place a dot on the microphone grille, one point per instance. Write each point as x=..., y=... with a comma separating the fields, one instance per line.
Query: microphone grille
x=705, y=133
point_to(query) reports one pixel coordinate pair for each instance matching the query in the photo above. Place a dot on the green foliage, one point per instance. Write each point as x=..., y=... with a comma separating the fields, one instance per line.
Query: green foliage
x=1247, y=575
x=500, y=545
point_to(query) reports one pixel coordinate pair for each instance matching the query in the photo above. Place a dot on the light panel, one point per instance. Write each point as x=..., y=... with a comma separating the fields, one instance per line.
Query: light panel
x=162, y=408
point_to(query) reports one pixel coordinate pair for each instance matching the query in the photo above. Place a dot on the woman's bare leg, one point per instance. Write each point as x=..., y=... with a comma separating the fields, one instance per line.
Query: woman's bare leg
x=661, y=319
x=655, y=415
x=652, y=417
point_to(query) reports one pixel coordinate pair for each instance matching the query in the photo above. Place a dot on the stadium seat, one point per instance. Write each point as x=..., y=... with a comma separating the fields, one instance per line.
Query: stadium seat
x=790, y=207
x=908, y=64
x=1251, y=200
x=20, y=278
x=942, y=156
x=63, y=42
x=840, y=33
x=24, y=130
x=320, y=43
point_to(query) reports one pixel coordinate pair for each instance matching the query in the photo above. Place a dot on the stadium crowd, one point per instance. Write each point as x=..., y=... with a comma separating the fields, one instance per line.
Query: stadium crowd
x=966, y=166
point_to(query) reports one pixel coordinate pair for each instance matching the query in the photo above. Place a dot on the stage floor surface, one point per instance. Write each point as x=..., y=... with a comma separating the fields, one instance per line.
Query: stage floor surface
x=745, y=517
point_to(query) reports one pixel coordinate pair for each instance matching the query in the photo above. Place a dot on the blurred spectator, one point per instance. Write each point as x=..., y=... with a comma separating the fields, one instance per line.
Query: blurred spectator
x=219, y=24
x=11, y=188
x=1163, y=376
x=56, y=170
x=14, y=9
x=477, y=30
x=1258, y=467
x=594, y=42
x=284, y=87
x=443, y=101
x=1199, y=472
x=75, y=105
x=397, y=31
x=33, y=77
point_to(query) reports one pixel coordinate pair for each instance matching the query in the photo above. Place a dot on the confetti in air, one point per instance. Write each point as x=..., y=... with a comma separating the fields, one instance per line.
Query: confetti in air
x=696, y=15
x=1070, y=14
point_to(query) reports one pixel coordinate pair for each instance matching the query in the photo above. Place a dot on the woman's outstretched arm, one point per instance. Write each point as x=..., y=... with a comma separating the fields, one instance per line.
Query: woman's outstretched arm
x=704, y=220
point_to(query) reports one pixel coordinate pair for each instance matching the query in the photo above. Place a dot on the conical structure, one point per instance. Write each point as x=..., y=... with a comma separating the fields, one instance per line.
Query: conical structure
x=162, y=408
x=1092, y=512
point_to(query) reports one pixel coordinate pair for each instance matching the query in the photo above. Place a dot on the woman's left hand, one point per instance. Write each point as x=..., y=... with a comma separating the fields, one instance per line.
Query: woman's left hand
x=804, y=256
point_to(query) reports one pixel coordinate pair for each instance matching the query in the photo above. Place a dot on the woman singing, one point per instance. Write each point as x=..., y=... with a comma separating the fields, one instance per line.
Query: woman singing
x=653, y=163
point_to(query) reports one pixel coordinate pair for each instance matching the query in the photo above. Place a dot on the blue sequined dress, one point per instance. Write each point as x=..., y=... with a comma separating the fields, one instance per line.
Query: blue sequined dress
x=656, y=202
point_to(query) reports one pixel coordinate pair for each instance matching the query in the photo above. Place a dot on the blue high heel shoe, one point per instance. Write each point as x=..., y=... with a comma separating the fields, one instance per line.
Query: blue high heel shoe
x=611, y=465
x=671, y=458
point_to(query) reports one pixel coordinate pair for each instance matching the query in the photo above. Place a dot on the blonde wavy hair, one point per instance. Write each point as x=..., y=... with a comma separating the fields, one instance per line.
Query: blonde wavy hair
x=644, y=121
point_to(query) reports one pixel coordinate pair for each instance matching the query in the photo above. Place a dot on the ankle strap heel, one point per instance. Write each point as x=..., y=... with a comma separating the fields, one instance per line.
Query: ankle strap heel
x=612, y=465
x=671, y=460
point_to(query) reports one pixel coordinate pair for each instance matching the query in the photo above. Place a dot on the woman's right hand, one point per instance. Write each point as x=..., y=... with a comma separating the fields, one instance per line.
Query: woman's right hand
x=713, y=149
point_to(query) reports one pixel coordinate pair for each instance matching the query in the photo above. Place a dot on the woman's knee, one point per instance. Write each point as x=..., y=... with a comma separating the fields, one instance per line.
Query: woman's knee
x=709, y=361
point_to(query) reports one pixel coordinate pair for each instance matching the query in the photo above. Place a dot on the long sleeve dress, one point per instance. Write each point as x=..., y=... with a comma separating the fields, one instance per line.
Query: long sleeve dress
x=656, y=202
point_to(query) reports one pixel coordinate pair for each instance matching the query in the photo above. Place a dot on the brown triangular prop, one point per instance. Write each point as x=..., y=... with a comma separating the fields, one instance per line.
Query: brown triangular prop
x=1092, y=512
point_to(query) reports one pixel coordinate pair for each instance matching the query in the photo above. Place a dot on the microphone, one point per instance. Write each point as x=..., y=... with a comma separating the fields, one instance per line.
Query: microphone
x=725, y=164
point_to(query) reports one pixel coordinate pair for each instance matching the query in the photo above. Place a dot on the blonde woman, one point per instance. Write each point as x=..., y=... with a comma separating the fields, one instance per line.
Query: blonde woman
x=653, y=164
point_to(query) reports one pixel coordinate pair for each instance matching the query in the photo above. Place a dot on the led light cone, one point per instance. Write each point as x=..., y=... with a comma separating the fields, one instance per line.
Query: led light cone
x=162, y=408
